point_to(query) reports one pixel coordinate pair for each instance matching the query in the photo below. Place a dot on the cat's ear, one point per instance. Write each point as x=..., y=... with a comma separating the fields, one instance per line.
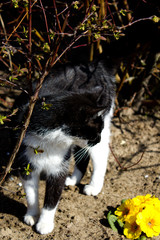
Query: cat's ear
x=99, y=96
x=96, y=112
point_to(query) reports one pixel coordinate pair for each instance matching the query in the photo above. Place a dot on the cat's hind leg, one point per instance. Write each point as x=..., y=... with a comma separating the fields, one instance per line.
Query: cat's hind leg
x=30, y=184
x=54, y=187
x=81, y=158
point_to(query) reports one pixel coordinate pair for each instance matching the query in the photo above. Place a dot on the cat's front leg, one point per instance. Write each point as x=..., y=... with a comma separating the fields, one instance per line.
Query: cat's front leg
x=99, y=156
x=99, y=160
x=54, y=187
x=81, y=162
x=30, y=184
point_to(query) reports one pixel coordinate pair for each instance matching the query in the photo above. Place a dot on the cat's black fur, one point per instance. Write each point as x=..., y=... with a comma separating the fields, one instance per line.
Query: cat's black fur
x=75, y=100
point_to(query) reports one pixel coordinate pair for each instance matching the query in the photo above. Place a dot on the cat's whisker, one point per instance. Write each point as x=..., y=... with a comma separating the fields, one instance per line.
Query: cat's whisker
x=82, y=154
x=81, y=150
x=81, y=157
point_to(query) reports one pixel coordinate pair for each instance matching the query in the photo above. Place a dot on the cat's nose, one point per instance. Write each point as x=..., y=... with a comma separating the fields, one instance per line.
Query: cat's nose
x=95, y=140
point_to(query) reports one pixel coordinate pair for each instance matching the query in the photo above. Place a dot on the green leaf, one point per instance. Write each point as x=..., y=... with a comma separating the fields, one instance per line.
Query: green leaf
x=142, y=237
x=75, y=4
x=15, y=3
x=27, y=170
x=111, y=220
x=117, y=36
x=97, y=35
x=82, y=27
x=94, y=8
x=46, y=47
x=11, y=78
x=37, y=150
x=123, y=12
x=156, y=19
x=121, y=224
x=25, y=32
x=52, y=34
x=2, y=118
x=46, y=106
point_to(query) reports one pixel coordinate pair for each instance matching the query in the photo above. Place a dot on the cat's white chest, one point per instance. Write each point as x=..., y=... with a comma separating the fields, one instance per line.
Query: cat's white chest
x=47, y=152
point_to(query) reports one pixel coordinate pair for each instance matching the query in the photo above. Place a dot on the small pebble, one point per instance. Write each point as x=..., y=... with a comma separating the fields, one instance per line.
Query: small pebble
x=123, y=142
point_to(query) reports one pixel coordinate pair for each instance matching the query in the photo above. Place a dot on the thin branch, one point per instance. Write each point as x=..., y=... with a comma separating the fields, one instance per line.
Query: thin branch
x=120, y=165
x=8, y=190
x=5, y=81
x=5, y=34
x=4, y=62
x=58, y=22
x=71, y=44
x=136, y=21
x=126, y=5
x=110, y=13
x=45, y=18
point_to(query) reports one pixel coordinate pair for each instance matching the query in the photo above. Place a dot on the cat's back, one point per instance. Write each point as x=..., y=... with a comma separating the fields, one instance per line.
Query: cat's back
x=78, y=78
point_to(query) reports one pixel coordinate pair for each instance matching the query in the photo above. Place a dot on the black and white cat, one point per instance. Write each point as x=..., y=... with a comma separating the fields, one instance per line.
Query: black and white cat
x=72, y=115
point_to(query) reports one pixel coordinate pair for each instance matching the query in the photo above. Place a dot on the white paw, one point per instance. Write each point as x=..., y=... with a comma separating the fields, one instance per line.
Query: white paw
x=44, y=227
x=75, y=178
x=70, y=181
x=91, y=190
x=30, y=220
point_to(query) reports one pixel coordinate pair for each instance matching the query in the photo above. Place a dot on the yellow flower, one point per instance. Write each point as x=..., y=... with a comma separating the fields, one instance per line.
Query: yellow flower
x=125, y=210
x=149, y=221
x=131, y=229
x=146, y=201
x=156, y=203
x=142, y=201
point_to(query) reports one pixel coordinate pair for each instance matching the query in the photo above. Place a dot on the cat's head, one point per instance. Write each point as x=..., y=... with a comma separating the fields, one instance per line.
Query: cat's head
x=83, y=116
